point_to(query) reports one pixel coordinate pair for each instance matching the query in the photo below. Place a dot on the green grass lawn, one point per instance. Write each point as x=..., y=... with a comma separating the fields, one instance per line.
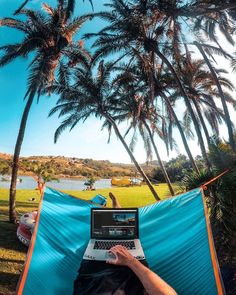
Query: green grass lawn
x=12, y=252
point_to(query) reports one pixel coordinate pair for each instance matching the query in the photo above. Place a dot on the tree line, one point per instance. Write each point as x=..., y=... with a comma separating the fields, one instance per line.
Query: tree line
x=72, y=167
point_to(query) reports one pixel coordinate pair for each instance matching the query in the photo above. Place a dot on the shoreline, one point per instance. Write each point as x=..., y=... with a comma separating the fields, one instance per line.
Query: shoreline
x=66, y=177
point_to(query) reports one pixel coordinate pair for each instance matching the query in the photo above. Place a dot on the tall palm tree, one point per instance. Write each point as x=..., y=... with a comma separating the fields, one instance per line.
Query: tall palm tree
x=173, y=116
x=143, y=114
x=221, y=93
x=70, y=6
x=209, y=25
x=154, y=26
x=200, y=87
x=140, y=70
x=215, y=14
x=49, y=36
x=132, y=106
x=90, y=95
x=137, y=25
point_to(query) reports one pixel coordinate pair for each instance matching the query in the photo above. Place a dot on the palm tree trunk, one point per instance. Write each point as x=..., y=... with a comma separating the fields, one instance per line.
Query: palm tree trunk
x=187, y=102
x=140, y=170
x=15, y=167
x=184, y=140
x=221, y=93
x=202, y=122
x=159, y=159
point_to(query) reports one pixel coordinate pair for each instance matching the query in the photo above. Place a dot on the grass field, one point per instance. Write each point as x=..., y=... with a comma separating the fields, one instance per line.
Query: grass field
x=12, y=252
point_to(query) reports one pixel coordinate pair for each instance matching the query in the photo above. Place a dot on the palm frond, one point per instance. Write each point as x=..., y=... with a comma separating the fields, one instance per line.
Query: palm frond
x=233, y=63
x=14, y=23
x=211, y=50
x=76, y=24
x=48, y=8
x=146, y=142
x=71, y=120
x=187, y=120
x=63, y=74
x=70, y=8
x=134, y=139
x=18, y=50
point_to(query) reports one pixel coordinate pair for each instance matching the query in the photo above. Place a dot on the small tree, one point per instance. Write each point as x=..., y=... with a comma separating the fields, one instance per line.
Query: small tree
x=5, y=169
x=90, y=182
x=44, y=173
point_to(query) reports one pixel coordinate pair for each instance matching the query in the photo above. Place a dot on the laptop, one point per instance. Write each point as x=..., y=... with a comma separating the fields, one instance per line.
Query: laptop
x=111, y=227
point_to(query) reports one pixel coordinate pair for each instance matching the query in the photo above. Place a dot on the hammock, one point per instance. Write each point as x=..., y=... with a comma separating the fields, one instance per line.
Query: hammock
x=175, y=235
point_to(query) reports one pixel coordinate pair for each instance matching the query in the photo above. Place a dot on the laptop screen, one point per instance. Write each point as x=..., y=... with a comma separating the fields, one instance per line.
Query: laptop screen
x=114, y=223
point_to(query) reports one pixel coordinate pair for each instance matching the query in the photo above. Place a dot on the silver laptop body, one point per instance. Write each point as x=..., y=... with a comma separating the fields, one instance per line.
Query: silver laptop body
x=110, y=227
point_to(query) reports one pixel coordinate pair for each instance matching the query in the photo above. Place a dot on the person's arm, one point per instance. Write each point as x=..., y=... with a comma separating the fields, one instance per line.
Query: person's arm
x=152, y=283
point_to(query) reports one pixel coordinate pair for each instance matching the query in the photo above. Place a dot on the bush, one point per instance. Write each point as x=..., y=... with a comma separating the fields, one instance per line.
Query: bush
x=220, y=197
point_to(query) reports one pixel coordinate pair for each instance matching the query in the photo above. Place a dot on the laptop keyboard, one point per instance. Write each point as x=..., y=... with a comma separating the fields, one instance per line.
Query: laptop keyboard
x=107, y=245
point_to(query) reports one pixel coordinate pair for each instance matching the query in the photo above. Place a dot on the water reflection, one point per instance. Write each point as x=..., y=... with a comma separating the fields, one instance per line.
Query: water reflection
x=64, y=184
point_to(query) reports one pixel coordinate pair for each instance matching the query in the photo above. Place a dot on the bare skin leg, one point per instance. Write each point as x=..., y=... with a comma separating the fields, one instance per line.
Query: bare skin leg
x=115, y=203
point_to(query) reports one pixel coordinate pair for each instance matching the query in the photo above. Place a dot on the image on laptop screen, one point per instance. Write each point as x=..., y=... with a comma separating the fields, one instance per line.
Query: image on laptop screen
x=114, y=224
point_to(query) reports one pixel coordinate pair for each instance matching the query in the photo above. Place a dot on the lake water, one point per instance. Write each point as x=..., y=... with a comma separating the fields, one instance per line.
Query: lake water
x=64, y=184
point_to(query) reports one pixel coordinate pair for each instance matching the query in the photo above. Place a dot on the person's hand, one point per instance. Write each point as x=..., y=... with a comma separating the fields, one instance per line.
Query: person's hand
x=122, y=256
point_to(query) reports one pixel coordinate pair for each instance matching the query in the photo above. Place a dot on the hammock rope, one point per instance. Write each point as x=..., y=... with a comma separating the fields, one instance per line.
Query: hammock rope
x=204, y=186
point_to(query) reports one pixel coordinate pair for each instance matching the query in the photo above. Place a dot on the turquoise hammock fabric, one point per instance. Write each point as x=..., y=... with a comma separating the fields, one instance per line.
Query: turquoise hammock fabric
x=173, y=234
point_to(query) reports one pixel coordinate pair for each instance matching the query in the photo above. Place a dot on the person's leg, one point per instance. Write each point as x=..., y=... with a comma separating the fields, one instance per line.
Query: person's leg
x=115, y=202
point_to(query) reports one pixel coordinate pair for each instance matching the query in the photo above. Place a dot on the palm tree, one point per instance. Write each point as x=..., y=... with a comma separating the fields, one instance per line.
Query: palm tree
x=154, y=26
x=144, y=114
x=70, y=6
x=172, y=114
x=200, y=87
x=209, y=25
x=164, y=84
x=90, y=95
x=49, y=37
x=139, y=110
x=221, y=93
x=140, y=70
x=143, y=28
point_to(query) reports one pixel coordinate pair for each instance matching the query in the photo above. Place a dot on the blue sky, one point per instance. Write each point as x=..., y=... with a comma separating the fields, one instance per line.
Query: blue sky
x=85, y=141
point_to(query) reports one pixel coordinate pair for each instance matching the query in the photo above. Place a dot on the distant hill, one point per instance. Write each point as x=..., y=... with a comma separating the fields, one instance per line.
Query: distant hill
x=5, y=156
x=77, y=167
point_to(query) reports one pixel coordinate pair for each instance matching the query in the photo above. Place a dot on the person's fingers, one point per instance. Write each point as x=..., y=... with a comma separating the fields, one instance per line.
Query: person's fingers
x=117, y=247
x=124, y=248
x=117, y=253
x=114, y=252
x=120, y=247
